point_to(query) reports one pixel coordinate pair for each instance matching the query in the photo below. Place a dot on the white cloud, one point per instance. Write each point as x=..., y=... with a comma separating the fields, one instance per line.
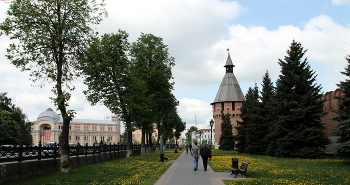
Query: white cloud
x=341, y=2
x=195, y=112
x=197, y=35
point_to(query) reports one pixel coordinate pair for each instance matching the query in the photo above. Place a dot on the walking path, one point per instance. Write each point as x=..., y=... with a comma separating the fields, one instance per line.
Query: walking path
x=181, y=172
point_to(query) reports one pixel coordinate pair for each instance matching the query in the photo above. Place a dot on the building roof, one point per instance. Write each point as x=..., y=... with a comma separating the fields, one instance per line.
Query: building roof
x=49, y=115
x=229, y=90
x=52, y=116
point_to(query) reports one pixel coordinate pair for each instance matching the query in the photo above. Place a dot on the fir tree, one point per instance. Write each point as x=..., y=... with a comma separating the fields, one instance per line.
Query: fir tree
x=242, y=127
x=226, y=138
x=297, y=129
x=266, y=108
x=253, y=126
x=343, y=129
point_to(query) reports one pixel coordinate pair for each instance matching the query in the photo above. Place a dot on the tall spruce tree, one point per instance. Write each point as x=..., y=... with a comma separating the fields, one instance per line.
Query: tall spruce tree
x=267, y=96
x=343, y=129
x=249, y=130
x=226, y=138
x=297, y=129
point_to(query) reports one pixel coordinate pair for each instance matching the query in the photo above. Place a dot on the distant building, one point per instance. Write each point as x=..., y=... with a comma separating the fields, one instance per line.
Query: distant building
x=204, y=136
x=229, y=99
x=330, y=105
x=137, y=135
x=48, y=126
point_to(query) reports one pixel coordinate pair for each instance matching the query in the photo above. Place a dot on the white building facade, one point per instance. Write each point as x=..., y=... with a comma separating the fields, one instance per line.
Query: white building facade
x=204, y=136
x=49, y=125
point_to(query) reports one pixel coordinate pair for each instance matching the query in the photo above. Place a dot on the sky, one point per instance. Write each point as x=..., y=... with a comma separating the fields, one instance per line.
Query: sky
x=198, y=34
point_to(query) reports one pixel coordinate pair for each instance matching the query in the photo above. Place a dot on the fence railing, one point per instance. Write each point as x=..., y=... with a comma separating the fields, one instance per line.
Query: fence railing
x=22, y=153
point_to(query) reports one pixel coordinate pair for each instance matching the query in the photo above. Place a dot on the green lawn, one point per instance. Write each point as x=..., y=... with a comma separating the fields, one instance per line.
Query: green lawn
x=272, y=170
x=135, y=170
x=147, y=170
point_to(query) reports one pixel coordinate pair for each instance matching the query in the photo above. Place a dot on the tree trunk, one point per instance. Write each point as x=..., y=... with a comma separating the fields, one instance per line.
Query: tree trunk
x=129, y=147
x=143, y=149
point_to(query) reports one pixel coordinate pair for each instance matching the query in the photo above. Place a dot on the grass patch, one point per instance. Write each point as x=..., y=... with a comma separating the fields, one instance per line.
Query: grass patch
x=272, y=170
x=135, y=170
x=147, y=170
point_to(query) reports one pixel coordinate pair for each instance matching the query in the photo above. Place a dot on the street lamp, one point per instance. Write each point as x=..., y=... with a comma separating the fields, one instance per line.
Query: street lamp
x=200, y=137
x=211, y=122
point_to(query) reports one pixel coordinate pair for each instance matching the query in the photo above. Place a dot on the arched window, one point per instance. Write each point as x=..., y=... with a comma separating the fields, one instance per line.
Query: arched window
x=47, y=127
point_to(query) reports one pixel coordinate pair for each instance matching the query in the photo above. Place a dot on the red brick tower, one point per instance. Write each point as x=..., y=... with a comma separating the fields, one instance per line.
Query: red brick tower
x=229, y=99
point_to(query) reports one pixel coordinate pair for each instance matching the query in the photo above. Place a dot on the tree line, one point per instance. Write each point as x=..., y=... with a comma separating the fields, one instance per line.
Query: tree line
x=285, y=120
x=14, y=124
x=56, y=42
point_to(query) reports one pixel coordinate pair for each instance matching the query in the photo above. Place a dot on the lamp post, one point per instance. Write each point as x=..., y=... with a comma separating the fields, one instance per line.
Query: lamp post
x=211, y=122
x=161, y=142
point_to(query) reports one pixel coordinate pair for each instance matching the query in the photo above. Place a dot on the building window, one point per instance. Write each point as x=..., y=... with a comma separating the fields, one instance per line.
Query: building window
x=77, y=127
x=86, y=128
x=77, y=138
x=102, y=128
x=86, y=138
x=110, y=129
x=94, y=138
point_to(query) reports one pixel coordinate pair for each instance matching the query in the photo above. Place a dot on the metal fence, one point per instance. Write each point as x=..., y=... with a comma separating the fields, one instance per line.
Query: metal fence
x=22, y=153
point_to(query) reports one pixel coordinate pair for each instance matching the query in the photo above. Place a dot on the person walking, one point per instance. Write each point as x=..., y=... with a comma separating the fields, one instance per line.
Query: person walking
x=186, y=149
x=205, y=153
x=195, y=156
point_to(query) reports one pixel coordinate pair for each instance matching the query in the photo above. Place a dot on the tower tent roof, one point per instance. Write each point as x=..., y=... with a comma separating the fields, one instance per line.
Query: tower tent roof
x=229, y=90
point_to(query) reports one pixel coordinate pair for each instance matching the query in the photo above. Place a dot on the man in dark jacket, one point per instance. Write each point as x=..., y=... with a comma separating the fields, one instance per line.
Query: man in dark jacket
x=205, y=152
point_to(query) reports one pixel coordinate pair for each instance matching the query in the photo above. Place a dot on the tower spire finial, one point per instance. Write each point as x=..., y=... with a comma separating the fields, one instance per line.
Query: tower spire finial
x=228, y=50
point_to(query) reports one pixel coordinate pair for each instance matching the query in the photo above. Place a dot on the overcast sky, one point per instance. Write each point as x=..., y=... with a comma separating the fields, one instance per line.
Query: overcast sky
x=198, y=33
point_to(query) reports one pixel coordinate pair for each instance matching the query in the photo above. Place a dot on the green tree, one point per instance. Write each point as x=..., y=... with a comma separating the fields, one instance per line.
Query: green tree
x=226, y=138
x=9, y=129
x=297, y=129
x=25, y=126
x=343, y=129
x=51, y=37
x=189, y=134
x=19, y=117
x=251, y=124
x=152, y=64
x=110, y=80
x=249, y=115
x=124, y=137
x=267, y=96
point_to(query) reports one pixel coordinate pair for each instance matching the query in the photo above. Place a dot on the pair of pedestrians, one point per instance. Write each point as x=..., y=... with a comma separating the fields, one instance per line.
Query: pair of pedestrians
x=205, y=152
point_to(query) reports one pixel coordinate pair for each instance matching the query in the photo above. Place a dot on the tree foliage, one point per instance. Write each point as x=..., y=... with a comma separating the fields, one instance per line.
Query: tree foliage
x=52, y=35
x=226, y=138
x=152, y=64
x=133, y=82
x=9, y=129
x=189, y=134
x=267, y=104
x=110, y=79
x=297, y=129
x=251, y=126
x=15, y=124
x=343, y=129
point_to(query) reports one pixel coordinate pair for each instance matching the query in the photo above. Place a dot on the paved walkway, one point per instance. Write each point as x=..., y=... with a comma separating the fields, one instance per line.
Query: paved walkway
x=181, y=172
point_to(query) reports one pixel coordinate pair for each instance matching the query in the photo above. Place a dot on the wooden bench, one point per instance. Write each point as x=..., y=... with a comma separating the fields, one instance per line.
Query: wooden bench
x=241, y=170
